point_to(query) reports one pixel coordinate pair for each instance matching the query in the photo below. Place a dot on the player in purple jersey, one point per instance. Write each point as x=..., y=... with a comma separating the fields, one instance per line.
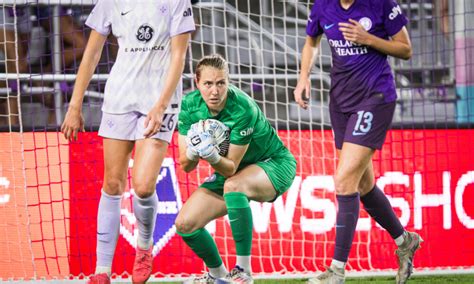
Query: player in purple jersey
x=362, y=100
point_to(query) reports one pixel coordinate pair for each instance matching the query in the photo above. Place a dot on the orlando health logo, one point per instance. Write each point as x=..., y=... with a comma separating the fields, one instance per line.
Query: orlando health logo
x=169, y=204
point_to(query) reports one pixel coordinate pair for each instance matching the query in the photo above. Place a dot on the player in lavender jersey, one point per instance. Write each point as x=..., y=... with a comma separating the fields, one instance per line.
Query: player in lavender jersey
x=141, y=102
x=362, y=100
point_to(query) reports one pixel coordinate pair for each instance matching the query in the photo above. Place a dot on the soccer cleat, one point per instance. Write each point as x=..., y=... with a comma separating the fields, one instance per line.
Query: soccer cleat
x=205, y=278
x=406, y=252
x=102, y=278
x=142, y=266
x=237, y=275
x=332, y=275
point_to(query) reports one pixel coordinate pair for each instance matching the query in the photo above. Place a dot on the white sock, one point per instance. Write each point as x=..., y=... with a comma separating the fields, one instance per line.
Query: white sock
x=243, y=261
x=338, y=264
x=103, y=269
x=218, y=272
x=145, y=211
x=400, y=239
x=108, y=225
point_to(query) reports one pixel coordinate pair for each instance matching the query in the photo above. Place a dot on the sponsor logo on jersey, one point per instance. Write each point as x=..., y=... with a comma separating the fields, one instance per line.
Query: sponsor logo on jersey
x=395, y=12
x=366, y=23
x=188, y=12
x=247, y=131
x=145, y=33
x=347, y=48
x=144, y=49
x=327, y=27
x=169, y=204
x=125, y=13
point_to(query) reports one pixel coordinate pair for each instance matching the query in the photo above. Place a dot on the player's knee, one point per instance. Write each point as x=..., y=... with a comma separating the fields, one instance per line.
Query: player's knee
x=184, y=225
x=343, y=185
x=365, y=186
x=234, y=185
x=114, y=186
x=143, y=189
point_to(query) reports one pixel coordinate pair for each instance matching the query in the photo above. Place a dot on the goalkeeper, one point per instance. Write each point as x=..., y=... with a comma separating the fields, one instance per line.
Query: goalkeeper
x=256, y=167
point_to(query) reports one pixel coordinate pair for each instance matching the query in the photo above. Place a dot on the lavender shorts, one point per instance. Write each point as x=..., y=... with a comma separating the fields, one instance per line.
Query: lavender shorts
x=366, y=126
x=130, y=126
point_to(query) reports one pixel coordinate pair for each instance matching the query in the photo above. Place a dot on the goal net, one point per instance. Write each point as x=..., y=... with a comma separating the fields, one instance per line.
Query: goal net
x=50, y=188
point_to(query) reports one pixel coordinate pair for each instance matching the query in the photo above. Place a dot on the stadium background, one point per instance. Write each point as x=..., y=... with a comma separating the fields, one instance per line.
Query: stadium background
x=49, y=188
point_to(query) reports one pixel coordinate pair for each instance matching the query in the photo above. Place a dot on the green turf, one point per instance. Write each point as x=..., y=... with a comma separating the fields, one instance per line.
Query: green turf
x=458, y=279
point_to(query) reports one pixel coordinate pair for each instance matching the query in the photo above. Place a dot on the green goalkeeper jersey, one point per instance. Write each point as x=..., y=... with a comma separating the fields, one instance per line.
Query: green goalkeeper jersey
x=246, y=122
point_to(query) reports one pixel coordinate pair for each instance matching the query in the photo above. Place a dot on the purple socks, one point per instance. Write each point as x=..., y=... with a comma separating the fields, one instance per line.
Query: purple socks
x=347, y=216
x=378, y=206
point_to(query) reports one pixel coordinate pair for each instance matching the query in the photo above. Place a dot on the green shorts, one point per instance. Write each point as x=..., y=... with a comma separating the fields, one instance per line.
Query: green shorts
x=280, y=170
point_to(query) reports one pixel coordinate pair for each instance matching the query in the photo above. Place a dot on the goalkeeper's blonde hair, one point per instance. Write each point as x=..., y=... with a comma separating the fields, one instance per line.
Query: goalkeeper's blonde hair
x=213, y=60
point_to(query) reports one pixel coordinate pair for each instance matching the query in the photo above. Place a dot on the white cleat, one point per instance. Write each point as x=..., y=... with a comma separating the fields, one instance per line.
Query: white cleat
x=405, y=254
x=332, y=275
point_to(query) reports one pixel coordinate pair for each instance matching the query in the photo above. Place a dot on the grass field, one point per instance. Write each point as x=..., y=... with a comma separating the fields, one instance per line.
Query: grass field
x=459, y=279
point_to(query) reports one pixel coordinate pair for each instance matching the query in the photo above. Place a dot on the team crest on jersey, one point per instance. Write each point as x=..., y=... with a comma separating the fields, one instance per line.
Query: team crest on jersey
x=169, y=204
x=163, y=9
x=145, y=33
x=366, y=23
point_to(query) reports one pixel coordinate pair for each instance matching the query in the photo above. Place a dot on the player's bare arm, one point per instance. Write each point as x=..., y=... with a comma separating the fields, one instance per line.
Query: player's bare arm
x=310, y=52
x=227, y=166
x=399, y=46
x=179, y=45
x=74, y=121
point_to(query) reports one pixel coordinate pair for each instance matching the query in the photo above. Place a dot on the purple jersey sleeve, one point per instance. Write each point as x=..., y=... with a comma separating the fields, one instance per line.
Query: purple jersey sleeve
x=394, y=20
x=313, y=28
x=182, y=20
x=99, y=18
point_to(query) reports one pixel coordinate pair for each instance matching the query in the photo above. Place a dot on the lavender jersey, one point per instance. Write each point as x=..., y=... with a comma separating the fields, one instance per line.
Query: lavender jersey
x=143, y=30
x=359, y=73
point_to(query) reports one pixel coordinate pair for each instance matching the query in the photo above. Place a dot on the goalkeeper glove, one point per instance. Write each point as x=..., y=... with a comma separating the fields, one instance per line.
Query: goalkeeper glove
x=193, y=131
x=192, y=154
x=205, y=146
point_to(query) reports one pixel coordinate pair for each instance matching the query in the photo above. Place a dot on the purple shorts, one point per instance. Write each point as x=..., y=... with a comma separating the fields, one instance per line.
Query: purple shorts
x=366, y=126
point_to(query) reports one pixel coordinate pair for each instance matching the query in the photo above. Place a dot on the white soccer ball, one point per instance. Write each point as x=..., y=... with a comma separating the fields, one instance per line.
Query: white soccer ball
x=220, y=132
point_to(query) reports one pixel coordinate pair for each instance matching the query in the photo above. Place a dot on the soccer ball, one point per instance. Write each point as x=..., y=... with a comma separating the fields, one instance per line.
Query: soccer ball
x=220, y=132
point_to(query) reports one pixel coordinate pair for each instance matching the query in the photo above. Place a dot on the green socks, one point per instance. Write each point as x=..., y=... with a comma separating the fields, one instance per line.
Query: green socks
x=240, y=218
x=202, y=243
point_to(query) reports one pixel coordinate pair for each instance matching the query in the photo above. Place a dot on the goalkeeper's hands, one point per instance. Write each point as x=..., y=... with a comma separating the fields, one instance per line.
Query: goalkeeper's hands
x=207, y=148
x=193, y=132
x=192, y=154
x=204, y=145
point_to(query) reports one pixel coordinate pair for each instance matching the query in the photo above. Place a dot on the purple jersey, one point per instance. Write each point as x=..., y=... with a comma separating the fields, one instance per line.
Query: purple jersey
x=359, y=73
